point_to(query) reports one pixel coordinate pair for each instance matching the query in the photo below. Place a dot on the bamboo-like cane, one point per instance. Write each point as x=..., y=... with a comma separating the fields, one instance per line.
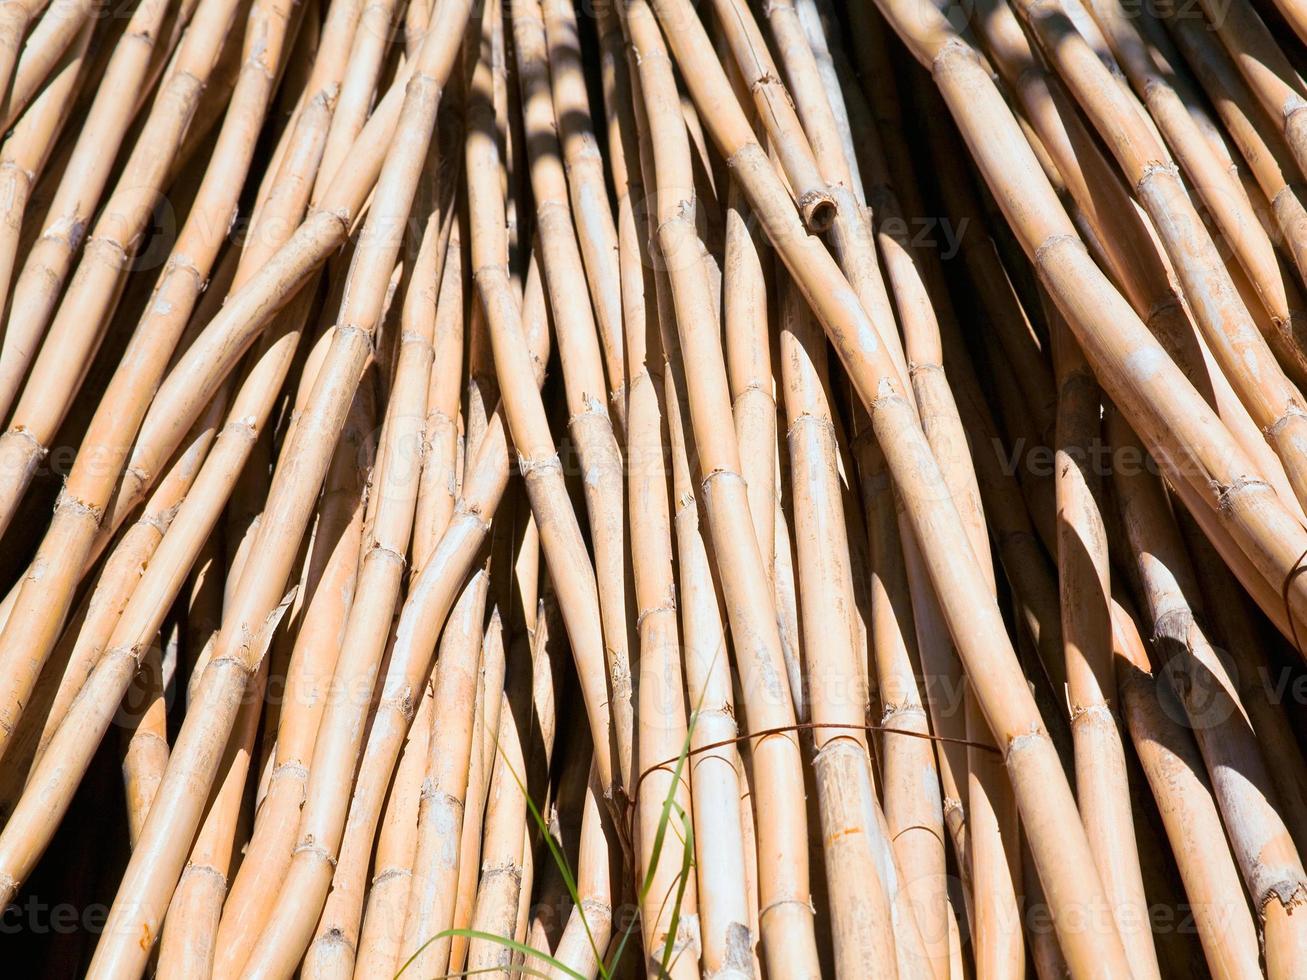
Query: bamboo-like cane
x=1230, y=618
x=1008, y=705
x=58, y=31
x=1265, y=68
x=157, y=861
x=787, y=929
x=1172, y=104
x=1262, y=146
x=1275, y=405
x=596, y=230
x=371, y=41
x=432, y=595
x=774, y=108
x=78, y=324
x=189, y=940
x=583, y=367
x=146, y=736
x=991, y=853
x=560, y=536
x=655, y=424
x=387, y=899
x=589, y=926
x=333, y=949
x=662, y=798
x=864, y=924
x=15, y=18
x=1174, y=769
x=484, y=732
x=498, y=892
x=1270, y=864
x=1084, y=582
x=329, y=586
x=80, y=510
x=288, y=930
x=253, y=403
x=70, y=212
x=1116, y=232
x=72, y=744
x=1269, y=540
x=434, y=881
x=910, y=776
x=27, y=150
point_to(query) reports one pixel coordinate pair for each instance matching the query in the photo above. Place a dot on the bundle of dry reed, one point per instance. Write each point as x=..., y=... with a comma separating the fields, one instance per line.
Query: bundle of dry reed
x=637, y=487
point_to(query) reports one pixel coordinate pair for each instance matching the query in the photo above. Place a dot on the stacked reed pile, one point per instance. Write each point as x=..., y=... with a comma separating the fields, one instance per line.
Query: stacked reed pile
x=623, y=488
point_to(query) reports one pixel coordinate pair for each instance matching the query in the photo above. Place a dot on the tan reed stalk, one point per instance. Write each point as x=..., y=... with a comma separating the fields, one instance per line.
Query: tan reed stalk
x=1047, y=808
x=387, y=901
x=83, y=312
x=336, y=934
x=484, y=734
x=392, y=871
x=656, y=424
x=1265, y=68
x=1172, y=103
x=1233, y=622
x=560, y=536
x=574, y=322
x=137, y=910
x=989, y=854
x=1263, y=848
x=250, y=309
x=72, y=744
x=1262, y=146
x=189, y=940
x=663, y=796
x=498, y=891
x=82, y=181
x=589, y=925
x=787, y=594
x=1174, y=769
x=1275, y=405
x=937, y=660
x=27, y=150
x=91, y=483
x=1085, y=587
x=441, y=472
x=88, y=633
x=430, y=598
x=16, y=17
x=428, y=907
x=146, y=739
x=992, y=833
x=774, y=109
x=939, y=416
x=851, y=229
x=328, y=591
x=45, y=48
x=596, y=230
x=75, y=532
x=482, y=386
x=144, y=536
x=787, y=927
x=749, y=370
x=865, y=925
x=289, y=929
x=1177, y=424
x=910, y=777
x=358, y=85
x=1117, y=233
